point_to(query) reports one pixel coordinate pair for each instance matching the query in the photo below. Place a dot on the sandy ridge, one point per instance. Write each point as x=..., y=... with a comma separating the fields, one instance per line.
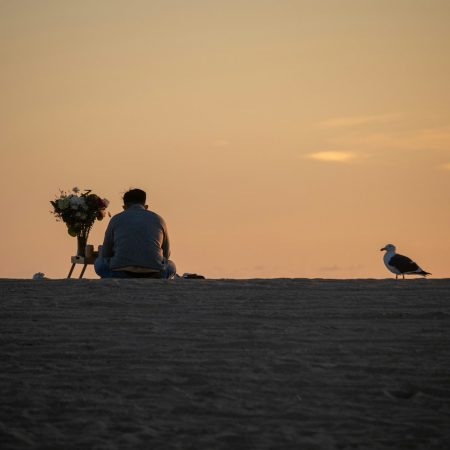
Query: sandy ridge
x=218, y=364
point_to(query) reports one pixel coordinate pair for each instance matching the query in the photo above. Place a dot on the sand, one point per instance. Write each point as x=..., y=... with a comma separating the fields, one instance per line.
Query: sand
x=225, y=364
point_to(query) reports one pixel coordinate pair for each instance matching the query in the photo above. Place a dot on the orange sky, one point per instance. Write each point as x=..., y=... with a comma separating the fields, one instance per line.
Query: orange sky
x=277, y=138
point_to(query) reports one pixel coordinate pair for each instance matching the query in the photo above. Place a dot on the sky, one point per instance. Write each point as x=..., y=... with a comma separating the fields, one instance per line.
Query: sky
x=277, y=138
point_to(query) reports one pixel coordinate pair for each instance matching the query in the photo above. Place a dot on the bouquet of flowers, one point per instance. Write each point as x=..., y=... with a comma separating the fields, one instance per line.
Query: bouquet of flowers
x=79, y=212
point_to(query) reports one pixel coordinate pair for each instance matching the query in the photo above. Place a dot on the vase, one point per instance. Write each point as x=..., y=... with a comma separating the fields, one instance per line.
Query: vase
x=81, y=245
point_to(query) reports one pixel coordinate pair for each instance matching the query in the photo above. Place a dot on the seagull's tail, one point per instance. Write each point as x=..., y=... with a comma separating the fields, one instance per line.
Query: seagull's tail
x=422, y=272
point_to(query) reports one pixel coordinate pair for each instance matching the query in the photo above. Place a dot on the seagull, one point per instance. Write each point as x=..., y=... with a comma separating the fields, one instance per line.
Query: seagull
x=399, y=264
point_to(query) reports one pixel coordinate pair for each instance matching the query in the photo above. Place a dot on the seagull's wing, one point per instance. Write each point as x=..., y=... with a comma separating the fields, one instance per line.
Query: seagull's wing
x=404, y=264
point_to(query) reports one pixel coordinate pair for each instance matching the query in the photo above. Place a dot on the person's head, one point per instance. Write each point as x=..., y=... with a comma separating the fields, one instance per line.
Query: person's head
x=134, y=197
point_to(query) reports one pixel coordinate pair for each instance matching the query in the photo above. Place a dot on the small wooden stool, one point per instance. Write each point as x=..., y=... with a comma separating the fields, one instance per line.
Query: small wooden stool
x=81, y=260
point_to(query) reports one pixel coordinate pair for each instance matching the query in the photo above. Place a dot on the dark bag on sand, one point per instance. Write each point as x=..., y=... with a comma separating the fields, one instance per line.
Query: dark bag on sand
x=193, y=276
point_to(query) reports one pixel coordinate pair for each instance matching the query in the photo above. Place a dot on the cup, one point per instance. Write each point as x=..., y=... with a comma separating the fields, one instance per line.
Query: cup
x=89, y=251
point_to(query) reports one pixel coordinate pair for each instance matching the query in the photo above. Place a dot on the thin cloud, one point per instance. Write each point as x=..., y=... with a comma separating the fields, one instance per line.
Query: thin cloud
x=427, y=138
x=339, y=157
x=352, y=121
x=221, y=143
x=336, y=268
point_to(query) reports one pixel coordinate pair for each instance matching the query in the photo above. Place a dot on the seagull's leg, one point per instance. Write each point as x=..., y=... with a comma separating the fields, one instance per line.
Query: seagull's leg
x=403, y=275
x=396, y=276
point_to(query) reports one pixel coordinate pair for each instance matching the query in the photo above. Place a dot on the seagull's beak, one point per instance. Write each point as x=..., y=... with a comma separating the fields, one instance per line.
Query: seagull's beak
x=381, y=249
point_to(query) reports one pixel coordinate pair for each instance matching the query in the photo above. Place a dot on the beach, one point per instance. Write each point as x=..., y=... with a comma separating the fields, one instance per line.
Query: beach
x=225, y=364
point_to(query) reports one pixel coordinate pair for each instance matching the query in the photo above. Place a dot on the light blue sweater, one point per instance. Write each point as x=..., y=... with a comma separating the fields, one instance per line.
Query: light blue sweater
x=136, y=237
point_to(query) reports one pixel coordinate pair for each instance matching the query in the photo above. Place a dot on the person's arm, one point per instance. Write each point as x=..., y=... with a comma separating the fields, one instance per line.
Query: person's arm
x=108, y=243
x=166, y=242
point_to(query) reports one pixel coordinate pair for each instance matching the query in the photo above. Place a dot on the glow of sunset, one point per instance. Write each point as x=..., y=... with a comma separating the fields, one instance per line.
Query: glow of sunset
x=277, y=138
x=332, y=156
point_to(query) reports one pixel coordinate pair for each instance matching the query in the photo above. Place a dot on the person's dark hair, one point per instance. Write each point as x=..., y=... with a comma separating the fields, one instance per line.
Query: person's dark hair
x=134, y=196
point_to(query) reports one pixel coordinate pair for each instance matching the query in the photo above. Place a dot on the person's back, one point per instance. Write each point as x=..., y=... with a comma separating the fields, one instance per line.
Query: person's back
x=136, y=237
x=136, y=242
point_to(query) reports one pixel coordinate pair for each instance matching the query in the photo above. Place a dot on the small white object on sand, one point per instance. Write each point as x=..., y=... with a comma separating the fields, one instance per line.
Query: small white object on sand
x=39, y=276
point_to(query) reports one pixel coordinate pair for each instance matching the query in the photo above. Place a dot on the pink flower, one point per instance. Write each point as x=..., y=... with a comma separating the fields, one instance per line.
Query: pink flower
x=101, y=214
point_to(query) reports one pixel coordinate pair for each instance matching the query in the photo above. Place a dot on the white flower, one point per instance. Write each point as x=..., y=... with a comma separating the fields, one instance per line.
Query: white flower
x=63, y=203
x=77, y=202
x=105, y=202
x=76, y=189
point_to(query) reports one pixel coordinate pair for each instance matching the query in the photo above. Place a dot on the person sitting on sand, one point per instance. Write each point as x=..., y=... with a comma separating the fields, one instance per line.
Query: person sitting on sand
x=136, y=243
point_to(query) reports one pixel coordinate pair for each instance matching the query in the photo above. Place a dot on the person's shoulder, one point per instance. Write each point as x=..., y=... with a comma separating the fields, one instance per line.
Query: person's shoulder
x=119, y=215
x=116, y=217
x=156, y=216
